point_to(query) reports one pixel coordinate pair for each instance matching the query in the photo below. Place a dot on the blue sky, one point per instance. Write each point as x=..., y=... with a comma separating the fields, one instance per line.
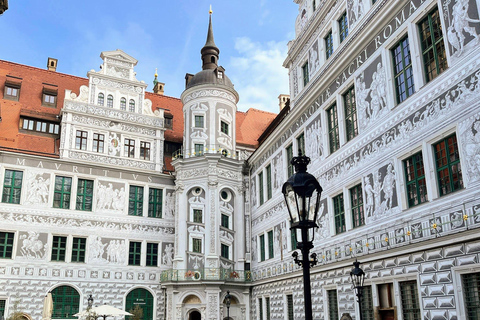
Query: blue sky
x=252, y=36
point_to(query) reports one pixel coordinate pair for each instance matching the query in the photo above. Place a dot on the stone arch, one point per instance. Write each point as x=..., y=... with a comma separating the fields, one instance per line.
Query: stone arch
x=195, y=293
x=194, y=314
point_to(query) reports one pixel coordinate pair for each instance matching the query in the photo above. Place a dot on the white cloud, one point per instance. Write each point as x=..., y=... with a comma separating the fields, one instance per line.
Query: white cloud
x=258, y=74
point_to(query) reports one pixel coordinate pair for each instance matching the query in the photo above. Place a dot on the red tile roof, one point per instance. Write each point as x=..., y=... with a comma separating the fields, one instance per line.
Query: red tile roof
x=251, y=124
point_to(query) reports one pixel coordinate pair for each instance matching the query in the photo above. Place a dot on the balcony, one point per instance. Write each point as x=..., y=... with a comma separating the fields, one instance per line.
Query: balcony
x=206, y=274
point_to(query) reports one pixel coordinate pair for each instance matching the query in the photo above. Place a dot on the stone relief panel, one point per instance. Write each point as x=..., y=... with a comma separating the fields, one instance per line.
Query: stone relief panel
x=371, y=92
x=277, y=240
x=380, y=193
x=113, y=251
x=462, y=22
x=323, y=222
x=313, y=59
x=278, y=172
x=118, y=72
x=469, y=133
x=169, y=204
x=38, y=188
x=111, y=196
x=355, y=11
x=209, y=93
x=167, y=254
x=253, y=192
x=32, y=245
x=302, y=19
x=195, y=261
x=313, y=140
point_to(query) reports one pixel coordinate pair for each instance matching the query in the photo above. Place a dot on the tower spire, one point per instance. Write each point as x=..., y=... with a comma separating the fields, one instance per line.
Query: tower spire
x=210, y=51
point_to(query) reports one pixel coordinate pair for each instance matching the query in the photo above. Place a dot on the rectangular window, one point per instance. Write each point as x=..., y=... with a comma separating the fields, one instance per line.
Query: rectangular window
x=40, y=126
x=402, y=69
x=81, y=140
x=350, y=107
x=84, y=195
x=290, y=312
x=225, y=221
x=6, y=245
x=333, y=133
x=197, y=216
x=63, y=190
x=305, y=74
x=260, y=187
x=59, y=248
x=339, y=212
x=98, y=142
x=415, y=180
x=270, y=244
x=78, y=249
x=471, y=293
x=409, y=296
x=267, y=304
x=12, y=91
x=2, y=308
x=225, y=250
x=260, y=308
x=130, y=148
x=49, y=99
x=135, y=201
x=198, y=149
x=197, y=245
x=332, y=304
x=289, y=150
x=168, y=121
x=224, y=127
x=447, y=160
x=134, y=253
x=367, y=303
x=199, y=122
x=155, y=199
x=433, y=48
x=301, y=144
x=152, y=254
x=144, y=150
x=262, y=247
x=269, y=182
x=329, y=44
x=12, y=186
x=343, y=27
x=356, y=199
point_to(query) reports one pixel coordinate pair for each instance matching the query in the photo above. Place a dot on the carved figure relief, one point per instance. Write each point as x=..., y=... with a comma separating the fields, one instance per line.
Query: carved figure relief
x=380, y=193
x=167, y=256
x=117, y=252
x=254, y=248
x=253, y=194
x=278, y=172
x=313, y=140
x=284, y=230
x=37, y=189
x=313, y=59
x=118, y=72
x=323, y=230
x=356, y=10
x=469, y=131
x=32, y=247
x=302, y=19
x=170, y=204
x=109, y=198
x=277, y=244
x=96, y=249
x=114, y=145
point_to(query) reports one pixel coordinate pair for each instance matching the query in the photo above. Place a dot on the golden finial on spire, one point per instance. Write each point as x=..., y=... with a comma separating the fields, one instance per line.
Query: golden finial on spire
x=210, y=10
x=156, y=73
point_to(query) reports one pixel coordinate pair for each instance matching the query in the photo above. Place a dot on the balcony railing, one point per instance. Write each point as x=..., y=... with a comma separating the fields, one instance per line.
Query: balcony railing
x=206, y=274
x=210, y=149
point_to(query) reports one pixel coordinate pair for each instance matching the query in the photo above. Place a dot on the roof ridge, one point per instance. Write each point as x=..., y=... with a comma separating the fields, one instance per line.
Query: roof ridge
x=44, y=70
x=262, y=111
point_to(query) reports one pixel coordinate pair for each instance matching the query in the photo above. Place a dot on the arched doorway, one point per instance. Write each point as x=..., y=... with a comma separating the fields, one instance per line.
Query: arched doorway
x=66, y=302
x=194, y=315
x=143, y=299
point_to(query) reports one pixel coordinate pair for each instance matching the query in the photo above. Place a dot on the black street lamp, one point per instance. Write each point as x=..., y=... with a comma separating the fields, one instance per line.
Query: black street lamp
x=302, y=195
x=90, y=302
x=358, y=277
x=227, y=302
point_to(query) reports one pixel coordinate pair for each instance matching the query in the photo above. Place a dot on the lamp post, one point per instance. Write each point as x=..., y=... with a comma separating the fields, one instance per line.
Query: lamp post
x=90, y=302
x=302, y=195
x=358, y=277
x=227, y=302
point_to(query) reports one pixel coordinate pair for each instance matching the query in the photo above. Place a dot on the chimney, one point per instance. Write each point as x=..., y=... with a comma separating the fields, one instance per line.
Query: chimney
x=52, y=64
x=282, y=100
x=188, y=77
x=159, y=88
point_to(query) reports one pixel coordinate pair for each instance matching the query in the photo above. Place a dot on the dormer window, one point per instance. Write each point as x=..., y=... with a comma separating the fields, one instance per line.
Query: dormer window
x=101, y=99
x=49, y=98
x=168, y=121
x=12, y=90
x=123, y=104
x=131, y=105
x=220, y=75
x=110, y=101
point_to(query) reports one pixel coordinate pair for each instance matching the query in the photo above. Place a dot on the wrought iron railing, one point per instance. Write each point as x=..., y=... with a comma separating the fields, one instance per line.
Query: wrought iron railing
x=199, y=152
x=206, y=274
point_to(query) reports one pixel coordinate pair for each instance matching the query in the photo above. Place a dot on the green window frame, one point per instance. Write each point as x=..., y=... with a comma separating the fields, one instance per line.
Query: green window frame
x=329, y=44
x=433, y=47
x=131, y=105
x=260, y=188
x=199, y=121
x=301, y=144
x=267, y=305
x=343, y=26
x=356, y=199
x=332, y=304
x=367, y=304
x=225, y=221
x=471, y=295
x=447, y=161
x=403, y=71
x=339, y=214
x=225, y=251
x=110, y=101
x=333, y=130
x=2, y=307
x=155, y=202
x=224, y=127
x=135, y=201
x=270, y=244
x=79, y=246
x=59, y=248
x=12, y=186
x=410, y=303
x=350, y=107
x=262, y=247
x=6, y=245
x=289, y=151
x=415, y=180
x=269, y=182
x=84, y=195
x=134, y=253
x=306, y=76
x=198, y=149
x=196, y=245
x=198, y=215
x=62, y=193
x=260, y=308
x=66, y=302
x=290, y=312
x=142, y=298
x=152, y=254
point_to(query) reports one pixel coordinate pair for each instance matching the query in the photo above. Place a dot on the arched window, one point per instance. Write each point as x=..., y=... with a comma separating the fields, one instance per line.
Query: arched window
x=132, y=105
x=212, y=59
x=100, y=99
x=143, y=299
x=66, y=302
x=110, y=101
x=123, y=104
